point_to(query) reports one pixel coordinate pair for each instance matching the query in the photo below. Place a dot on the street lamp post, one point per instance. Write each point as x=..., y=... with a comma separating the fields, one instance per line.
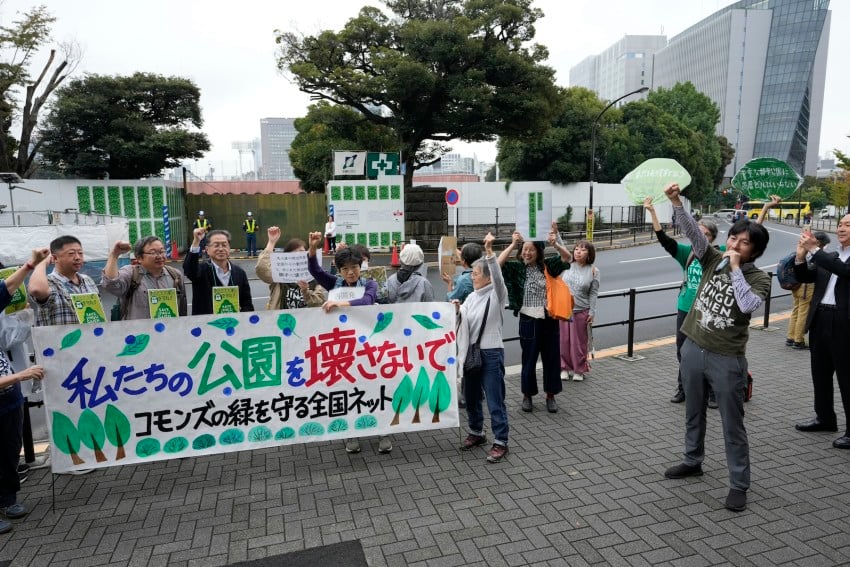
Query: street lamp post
x=589, y=220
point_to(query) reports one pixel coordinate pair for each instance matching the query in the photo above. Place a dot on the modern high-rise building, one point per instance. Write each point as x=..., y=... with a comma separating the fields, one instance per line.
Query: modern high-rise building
x=763, y=62
x=276, y=135
x=624, y=67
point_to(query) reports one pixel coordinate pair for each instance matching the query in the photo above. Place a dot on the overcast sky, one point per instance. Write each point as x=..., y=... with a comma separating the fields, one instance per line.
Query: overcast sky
x=228, y=49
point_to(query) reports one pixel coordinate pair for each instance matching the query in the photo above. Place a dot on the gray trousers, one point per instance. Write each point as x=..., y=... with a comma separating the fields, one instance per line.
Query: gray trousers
x=727, y=376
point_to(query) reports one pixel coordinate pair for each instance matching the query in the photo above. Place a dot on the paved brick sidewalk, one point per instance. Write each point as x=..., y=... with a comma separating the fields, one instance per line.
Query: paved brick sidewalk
x=581, y=487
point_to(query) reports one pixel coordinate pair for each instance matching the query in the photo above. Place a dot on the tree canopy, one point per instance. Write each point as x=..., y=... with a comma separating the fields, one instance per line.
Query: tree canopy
x=675, y=123
x=124, y=127
x=432, y=71
x=328, y=127
x=18, y=44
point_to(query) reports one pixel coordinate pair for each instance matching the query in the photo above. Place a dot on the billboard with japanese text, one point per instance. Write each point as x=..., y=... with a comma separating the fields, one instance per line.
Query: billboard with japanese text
x=146, y=390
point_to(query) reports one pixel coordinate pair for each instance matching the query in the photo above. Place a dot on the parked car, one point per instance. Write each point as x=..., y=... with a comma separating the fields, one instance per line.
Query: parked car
x=828, y=212
x=725, y=214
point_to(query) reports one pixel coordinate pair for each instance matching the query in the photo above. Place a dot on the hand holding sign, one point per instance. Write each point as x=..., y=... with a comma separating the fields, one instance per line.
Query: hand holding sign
x=649, y=178
x=761, y=178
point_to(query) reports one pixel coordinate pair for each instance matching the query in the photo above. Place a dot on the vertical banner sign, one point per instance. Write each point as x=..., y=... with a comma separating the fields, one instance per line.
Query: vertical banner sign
x=146, y=390
x=534, y=214
x=166, y=228
x=589, y=233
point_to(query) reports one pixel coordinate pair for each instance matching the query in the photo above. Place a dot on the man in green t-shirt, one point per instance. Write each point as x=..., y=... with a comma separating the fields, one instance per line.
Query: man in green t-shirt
x=717, y=330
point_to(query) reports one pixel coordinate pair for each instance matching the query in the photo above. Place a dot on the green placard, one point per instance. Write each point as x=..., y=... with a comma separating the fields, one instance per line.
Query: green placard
x=347, y=194
x=336, y=193
x=649, y=179
x=372, y=192
x=99, y=198
x=362, y=238
x=396, y=237
x=88, y=308
x=385, y=239
x=360, y=193
x=143, y=198
x=19, y=298
x=114, y=193
x=349, y=239
x=395, y=191
x=129, y=202
x=163, y=303
x=83, y=199
x=384, y=192
x=225, y=299
x=374, y=239
x=762, y=177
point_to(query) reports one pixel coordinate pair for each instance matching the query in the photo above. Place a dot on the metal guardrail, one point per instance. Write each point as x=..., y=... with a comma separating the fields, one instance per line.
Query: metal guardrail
x=632, y=294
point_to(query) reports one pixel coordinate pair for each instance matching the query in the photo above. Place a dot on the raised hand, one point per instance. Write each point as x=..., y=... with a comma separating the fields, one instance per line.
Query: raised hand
x=273, y=233
x=121, y=247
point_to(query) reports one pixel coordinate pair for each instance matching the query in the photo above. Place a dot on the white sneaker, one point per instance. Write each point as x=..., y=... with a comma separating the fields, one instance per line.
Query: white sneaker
x=385, y=445
x=565, y=375
x=352, y=446
x=577, y=377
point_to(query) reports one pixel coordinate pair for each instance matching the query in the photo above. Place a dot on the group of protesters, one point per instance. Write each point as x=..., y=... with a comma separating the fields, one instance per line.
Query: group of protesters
x=711, y=348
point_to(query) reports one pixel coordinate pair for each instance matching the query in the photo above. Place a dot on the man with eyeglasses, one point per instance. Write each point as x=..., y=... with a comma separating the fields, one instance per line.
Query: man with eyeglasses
x=218, y=272
x=51, y=293
x=130, y=284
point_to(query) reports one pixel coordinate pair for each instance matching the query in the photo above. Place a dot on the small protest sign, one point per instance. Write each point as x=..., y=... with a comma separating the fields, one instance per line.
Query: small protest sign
x=88, y=308
x=649, y=179
x=225, y=299
x=762, y=177
x=534, y=214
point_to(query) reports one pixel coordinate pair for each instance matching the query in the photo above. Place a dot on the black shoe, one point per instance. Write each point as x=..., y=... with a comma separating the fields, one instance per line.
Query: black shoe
x=842, y=442
x=789, y=342
x=815, y=424
x=801, y=346
x=683, y=471
x=736, y=500
x=712, y=401
x=526, y=404
x=678, y=397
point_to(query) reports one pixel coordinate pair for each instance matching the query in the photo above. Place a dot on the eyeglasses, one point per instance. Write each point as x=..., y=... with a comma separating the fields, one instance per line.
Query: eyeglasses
x=156, y=253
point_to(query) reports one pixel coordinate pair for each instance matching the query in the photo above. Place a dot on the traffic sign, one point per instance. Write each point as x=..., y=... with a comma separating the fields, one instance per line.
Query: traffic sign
x=452, y=197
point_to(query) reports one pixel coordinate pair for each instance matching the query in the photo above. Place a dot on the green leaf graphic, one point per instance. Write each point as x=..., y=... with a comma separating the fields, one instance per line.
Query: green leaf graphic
x=204, y=441
x=285, y=433
x=224, y=323
x=285, y=322
x=366, y=422
x=311, y=428
x=420, y=393
x=71, y=339
x=383, y=322
x=117, y=428
x=139, y=344
x=231, y=437
x=337, y=426
x=401, y=398
x=426, y=322
x=147, y=447
x=175, y=445
x=92, y=434
x=259, y=434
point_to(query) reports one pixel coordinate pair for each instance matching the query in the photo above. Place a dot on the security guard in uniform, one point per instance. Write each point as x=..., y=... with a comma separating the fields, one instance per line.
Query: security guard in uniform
x=204, y=223
x=250, y=226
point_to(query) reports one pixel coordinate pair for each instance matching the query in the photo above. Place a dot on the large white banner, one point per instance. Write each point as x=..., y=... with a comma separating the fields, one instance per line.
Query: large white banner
x=349, y=163
x=147, y=390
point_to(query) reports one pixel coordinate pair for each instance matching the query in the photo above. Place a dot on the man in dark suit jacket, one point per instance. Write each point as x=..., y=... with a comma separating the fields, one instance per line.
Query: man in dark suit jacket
x=217, y=272
x=828, y=324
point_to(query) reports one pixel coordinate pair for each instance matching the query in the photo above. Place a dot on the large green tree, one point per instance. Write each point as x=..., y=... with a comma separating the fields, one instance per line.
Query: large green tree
x=124, y=127
x=19, y=42
x=433, y=71
x=328, y=127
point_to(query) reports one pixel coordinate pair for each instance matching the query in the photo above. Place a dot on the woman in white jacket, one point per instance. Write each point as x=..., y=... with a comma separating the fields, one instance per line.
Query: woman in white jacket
x=481, y=316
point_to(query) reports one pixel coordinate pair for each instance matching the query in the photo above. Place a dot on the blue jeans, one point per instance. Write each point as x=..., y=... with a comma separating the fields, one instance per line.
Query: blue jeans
x=489, y=381
x=540, y=338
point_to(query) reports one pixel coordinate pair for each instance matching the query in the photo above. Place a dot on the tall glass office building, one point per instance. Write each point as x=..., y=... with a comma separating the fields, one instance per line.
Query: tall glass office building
x=762, y=61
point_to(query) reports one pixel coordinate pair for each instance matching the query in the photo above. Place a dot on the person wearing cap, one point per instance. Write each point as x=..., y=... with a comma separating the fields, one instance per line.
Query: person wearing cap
x=828, y=324
x=408, y=285
x=250, y=226
x=204, y=223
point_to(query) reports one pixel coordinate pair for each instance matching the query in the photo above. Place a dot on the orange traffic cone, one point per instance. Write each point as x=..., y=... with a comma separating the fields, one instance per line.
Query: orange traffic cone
x=394, y=261
x=174, y=254
x=327, y=247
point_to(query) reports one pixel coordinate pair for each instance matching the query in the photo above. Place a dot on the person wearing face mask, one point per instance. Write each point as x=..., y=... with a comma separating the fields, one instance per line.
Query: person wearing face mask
x=714, y=351
x=216, y=272
x=538, y=331
x=692, y=268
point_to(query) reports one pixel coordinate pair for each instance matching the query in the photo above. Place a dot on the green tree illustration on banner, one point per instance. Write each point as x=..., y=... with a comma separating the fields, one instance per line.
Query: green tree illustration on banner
x=66, y=438
x=401, y=397
x=92, y=434
x=420, y=393
x=441, y=396
x=117, y=428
